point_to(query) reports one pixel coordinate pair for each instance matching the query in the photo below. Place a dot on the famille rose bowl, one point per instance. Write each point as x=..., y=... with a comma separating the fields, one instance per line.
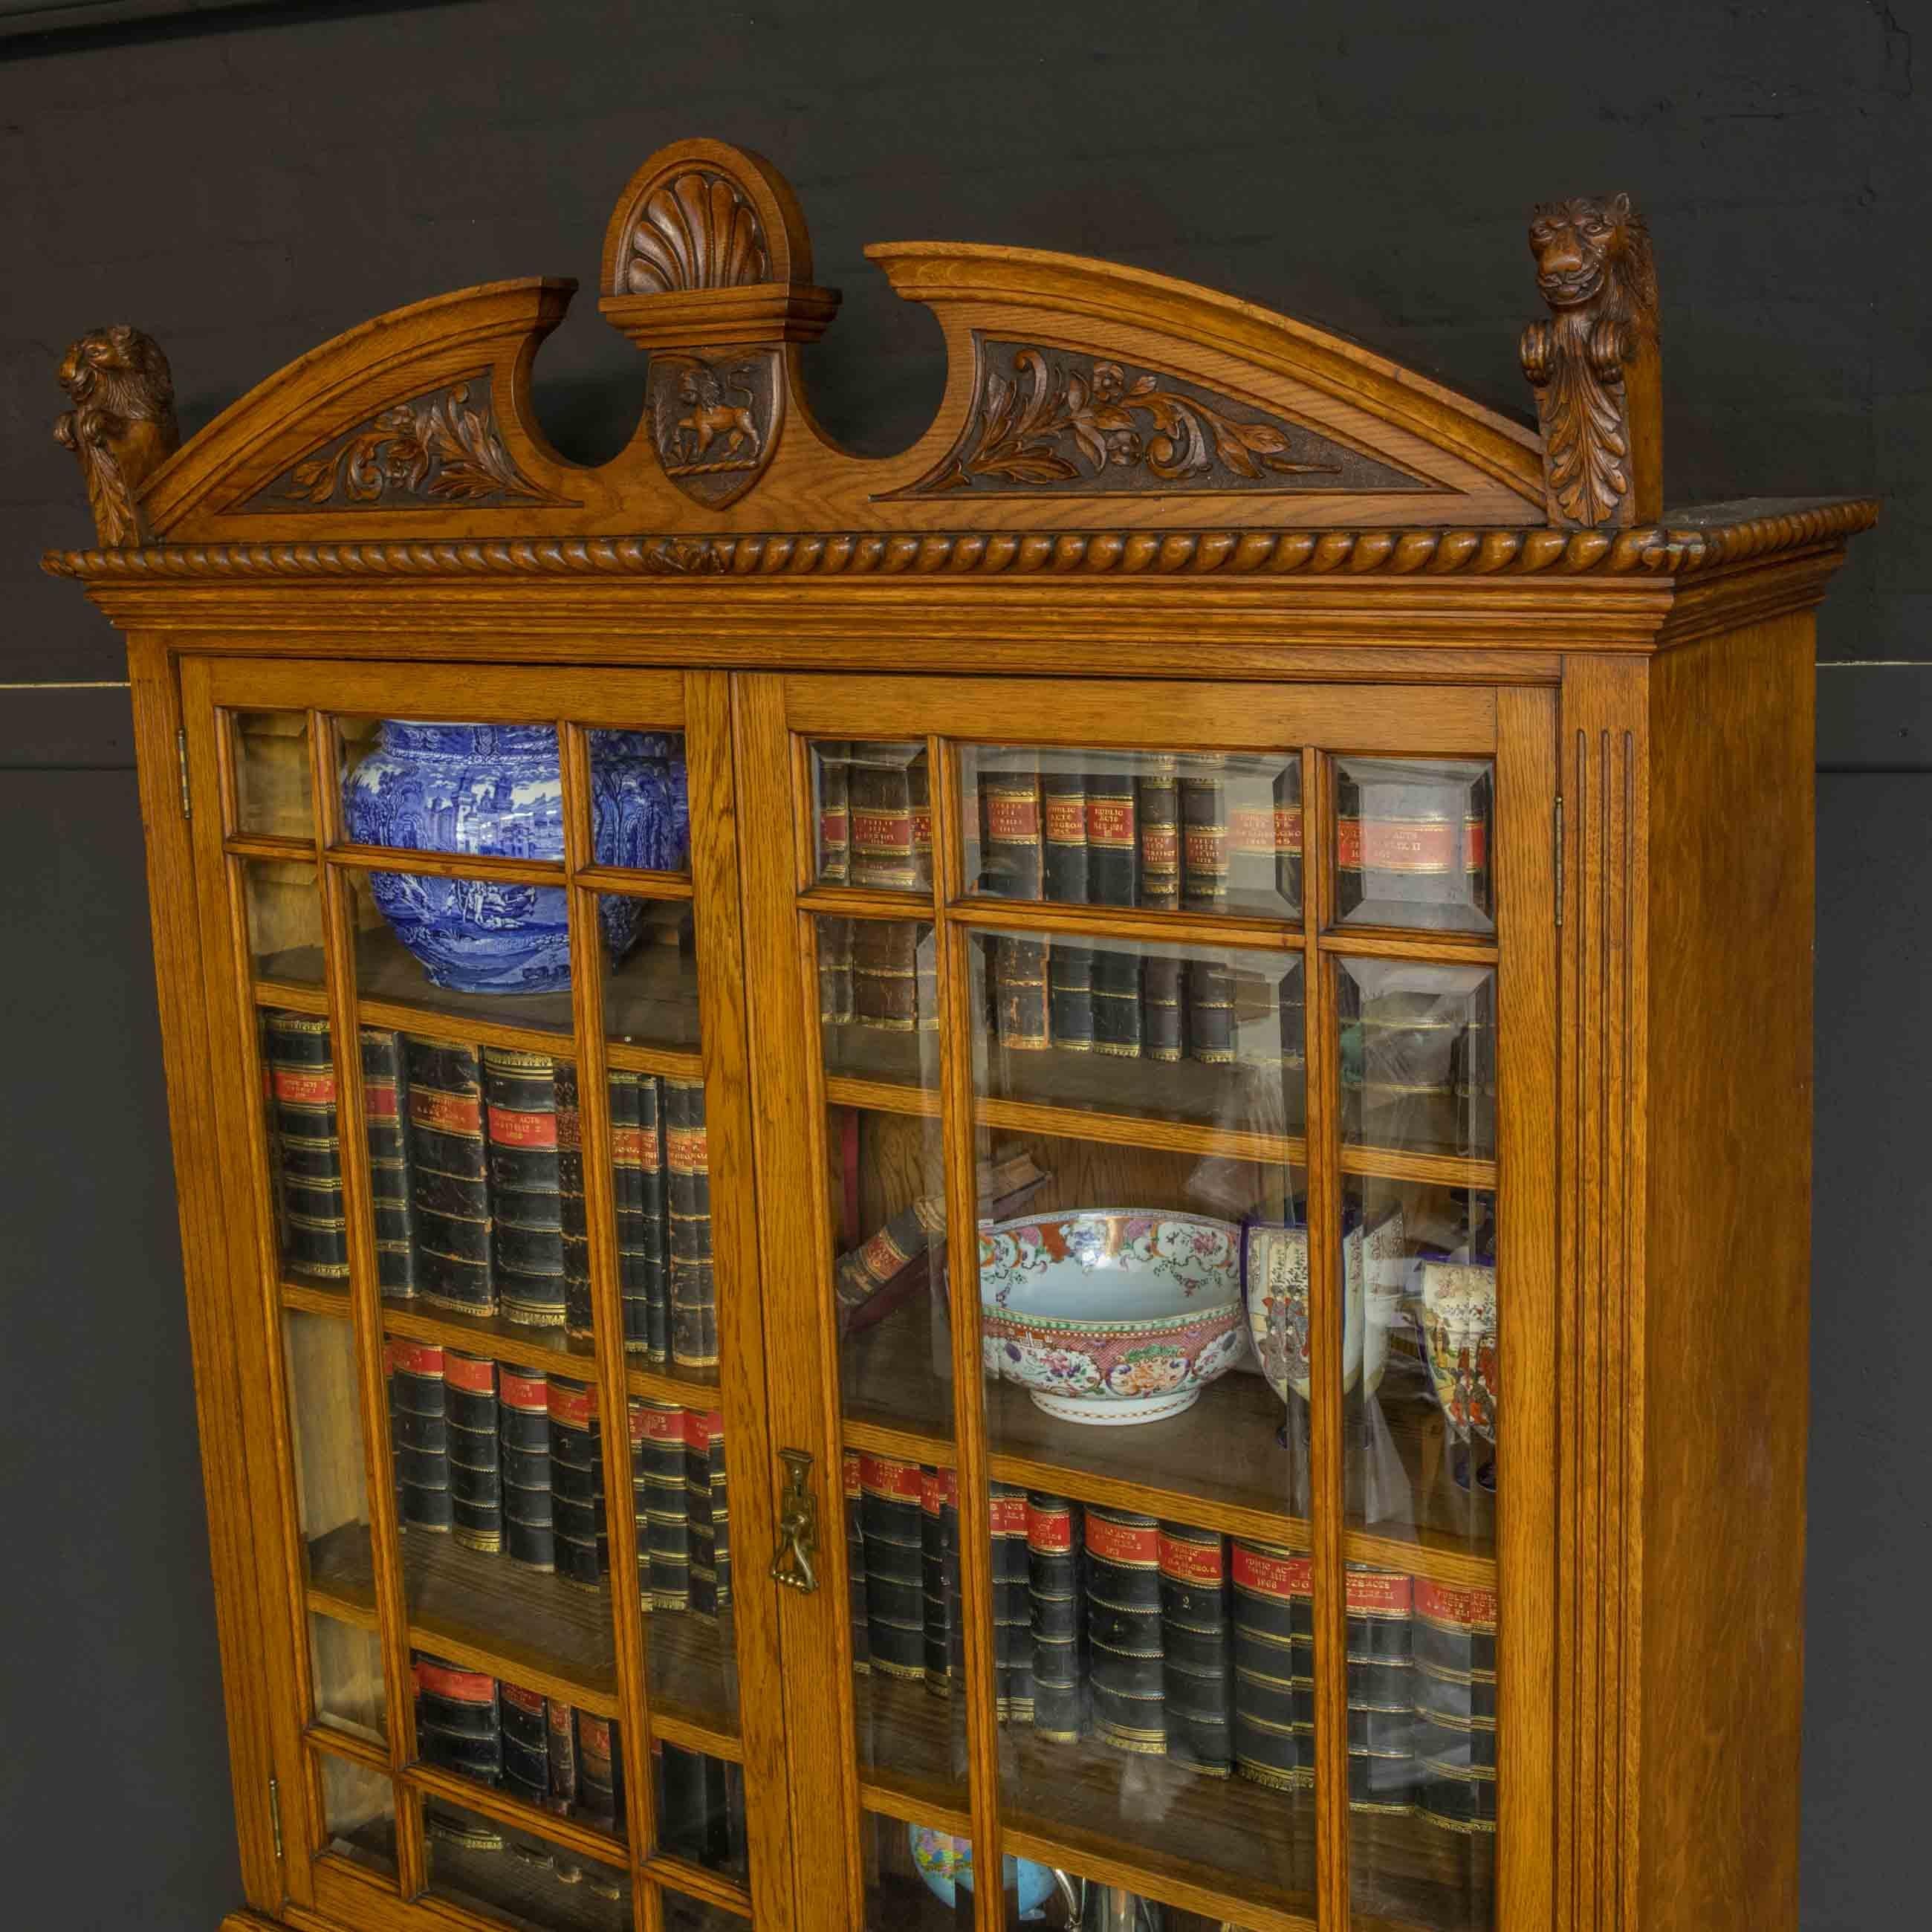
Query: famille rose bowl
x=1110, y=1315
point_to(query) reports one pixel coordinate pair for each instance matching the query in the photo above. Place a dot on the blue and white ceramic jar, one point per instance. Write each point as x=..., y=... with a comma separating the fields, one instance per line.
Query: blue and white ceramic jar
x=497, y=791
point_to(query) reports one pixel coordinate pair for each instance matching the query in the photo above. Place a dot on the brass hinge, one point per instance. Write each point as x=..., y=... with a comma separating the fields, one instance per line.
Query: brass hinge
x=1559, y=859
x=275, y=1815
x=180, y=757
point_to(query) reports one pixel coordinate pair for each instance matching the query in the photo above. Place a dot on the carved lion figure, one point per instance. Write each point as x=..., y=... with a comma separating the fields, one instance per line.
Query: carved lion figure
x=122, y=425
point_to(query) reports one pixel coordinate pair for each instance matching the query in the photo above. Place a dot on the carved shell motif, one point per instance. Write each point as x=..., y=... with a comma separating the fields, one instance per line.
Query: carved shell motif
x=696, y=231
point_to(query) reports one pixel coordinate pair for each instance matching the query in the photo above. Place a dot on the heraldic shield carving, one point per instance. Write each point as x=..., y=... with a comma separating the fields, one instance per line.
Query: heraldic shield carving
x=715, y=419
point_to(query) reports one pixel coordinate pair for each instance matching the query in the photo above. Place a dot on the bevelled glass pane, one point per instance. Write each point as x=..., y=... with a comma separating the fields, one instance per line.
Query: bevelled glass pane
x=1418, y=1054
x=1412, y=843
x=872, y=805
x=650, y=973
x=515, y=1878
x=358, y=1810
x=701, y=1809
x=878, y=999
x=681, y=1914
x=284, y=909
x=1210, y=1036
x=346, y=1663
x=325, y=1433
x=274, y=787
x=1208, y=832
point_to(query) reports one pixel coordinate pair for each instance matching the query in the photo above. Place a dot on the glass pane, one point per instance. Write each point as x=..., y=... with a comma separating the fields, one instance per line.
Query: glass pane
x=358, y=1810
x=273, y=787
x=304, y=1147
x=650, y=969
x=682, y=1512
x=1412, y=840
x=700, y=1802
x=1212, y=1036
x=693, y=1915
x=492, y=790
x=346, y=1663
x=1089, y=1905
x=325, y=1432
x=516, y=1878
x=873, y=805
x=284, y=921
x=1418, y=1056
x=1212, y=832
x=917, y=1876
x=878, y=1000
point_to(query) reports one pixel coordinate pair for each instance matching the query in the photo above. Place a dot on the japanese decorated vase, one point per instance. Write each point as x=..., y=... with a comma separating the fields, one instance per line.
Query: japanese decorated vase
x=946, y=1864
x=1110, y=1315
x=497, y=791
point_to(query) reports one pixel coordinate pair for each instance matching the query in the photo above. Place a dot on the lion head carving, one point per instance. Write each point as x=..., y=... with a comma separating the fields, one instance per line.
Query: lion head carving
x=1595, y=250
x=122, y=425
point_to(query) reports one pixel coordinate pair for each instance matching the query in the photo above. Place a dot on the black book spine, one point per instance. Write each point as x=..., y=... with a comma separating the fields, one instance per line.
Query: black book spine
x=573, y=1211
x=832, y=758
x=419, y=1434
x=707, y=1505
x=1157, y=810
x=637, y=1173
x=1113, y=853
x=925, y=951
x=391, y=1192
x=562, y=1720
x=939, y=1565
x=476, y=1454
x=449, y=1170
x=1197, y=1647
x=459, y=1725
x=664, y=1509
x=1012, y=857
x=523, y=1421
x=885, y=855
x=1381, y=1685
x=576, y=1483
x=525, y=1745
x=701, y=1803
x=1056, y=1602
x=600, y=1772
x=525, y=1197
x=890, y=1510
x=853, y=1486
x=1204, y=888
x=693, y=1308
x=302, y=1087
x=1012, y=1607
x=1123, y=1633
x=1454, y=1649
x=1064, y=866
x=1274, y=1665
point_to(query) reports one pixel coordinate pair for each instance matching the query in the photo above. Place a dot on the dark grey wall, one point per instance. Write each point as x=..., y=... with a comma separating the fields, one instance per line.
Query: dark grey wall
x=245, y=193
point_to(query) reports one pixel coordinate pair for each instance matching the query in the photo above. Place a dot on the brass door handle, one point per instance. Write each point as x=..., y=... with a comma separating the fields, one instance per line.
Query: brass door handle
x=798, y=1525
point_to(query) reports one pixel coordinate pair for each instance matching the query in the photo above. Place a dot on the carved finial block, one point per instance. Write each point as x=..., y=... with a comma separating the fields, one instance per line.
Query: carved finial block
x=122, y=427
x=1594, y=364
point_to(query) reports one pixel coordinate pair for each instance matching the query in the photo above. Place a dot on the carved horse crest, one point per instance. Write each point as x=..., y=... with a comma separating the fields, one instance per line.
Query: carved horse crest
x=714, y=419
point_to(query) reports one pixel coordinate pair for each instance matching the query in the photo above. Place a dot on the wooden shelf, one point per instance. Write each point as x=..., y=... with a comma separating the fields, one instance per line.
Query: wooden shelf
x=911, y=1744
x=1407, y=1872
x=500, y=1885
x=692, y=1681
x=510, y=1342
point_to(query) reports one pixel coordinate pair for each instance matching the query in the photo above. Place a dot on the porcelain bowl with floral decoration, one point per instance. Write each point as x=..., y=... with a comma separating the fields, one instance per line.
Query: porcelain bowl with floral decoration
x=1112, y=1315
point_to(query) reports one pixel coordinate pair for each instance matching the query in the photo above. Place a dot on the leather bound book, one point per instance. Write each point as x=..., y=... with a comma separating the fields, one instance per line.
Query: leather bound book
x=600, y=1773
x=1287, y=834
x=1070, y=996
x=1056, y=1605
x=885, y=855
x=576, y=1483
x=449, y=1169
x=1012, y=1607
x=1381, y=1761
x=1113, y=853
x=1252, y=869
x=385, y=1110
x=573, y=1209
x=1020, y=993
x=693, y=1309
x=863, y=1273
x=701, y=1803
x=1204, y=888
x=525, y=1745
x=663, y=1506
x=1197, y=1647
x=939, y=1564
x=1410, y=832
x=1063, y=861
x=563, y=1758
x=525, y=1198
x=1454, y=1683
x=889, y=1509
x=1273, y=1600
x=924, y=950
x=886, y=974
x=642, y=1189
x=833, y=758
x=1124, y=1634
x=1013, y=866
x=1157, y=809
x=419, y=1433
x=302, y=1088
x=835, y=990
x=459, y=1727
x=523, y=1399
x=475, y=1455
x=853, y=1485
x=707, y=1505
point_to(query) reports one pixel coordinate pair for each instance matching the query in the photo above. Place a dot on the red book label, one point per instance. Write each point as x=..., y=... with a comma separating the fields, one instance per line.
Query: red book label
x=569, y=1128
x=573, y=1407
x=1377, y=1593
x=468, y=1373
x=1160, y=848
x=1128, y=1543
x=531, y=1702
x=834, y=828
x=379, y=1101
x=1050, y=1531
x=657, y=1425
x=685, y=1151
x=1424, y=847
x=1287, y=830
x=1189, y=1562
x=510, y=1128
x=1207, y=848
x=635, y=1147
x=1269, y=1576
x=594, y=1733
x=412, y=1358
x=1475, y=844
x=460, y=1687
x=706, y=1426
x=885, y=1478
x=304, y=1090
x=1442, y=1603
x=1013, y=818
x=1066, y=819
x=446, y=1113
x=939, y=1489
x=1110, y=822
x=889, y=832
x=882, y=1257
x=1251, y=832
x=922, y=831
x=560, y=1720
x=849, y=1469
x=1009, y=1515
x=525, y=1392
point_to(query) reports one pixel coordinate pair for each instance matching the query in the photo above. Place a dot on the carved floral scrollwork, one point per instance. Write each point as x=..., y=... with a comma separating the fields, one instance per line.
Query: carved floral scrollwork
x=431, y=450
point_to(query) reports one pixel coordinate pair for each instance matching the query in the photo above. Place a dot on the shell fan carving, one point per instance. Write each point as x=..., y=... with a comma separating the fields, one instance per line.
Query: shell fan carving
x=696, y=231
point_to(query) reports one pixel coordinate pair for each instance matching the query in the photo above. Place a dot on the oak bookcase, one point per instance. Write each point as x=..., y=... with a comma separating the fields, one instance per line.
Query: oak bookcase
x=1443, y=807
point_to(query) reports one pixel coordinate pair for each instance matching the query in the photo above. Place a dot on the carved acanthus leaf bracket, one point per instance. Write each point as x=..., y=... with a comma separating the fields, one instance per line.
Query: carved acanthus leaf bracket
x=1594, y=364
x=121, y=427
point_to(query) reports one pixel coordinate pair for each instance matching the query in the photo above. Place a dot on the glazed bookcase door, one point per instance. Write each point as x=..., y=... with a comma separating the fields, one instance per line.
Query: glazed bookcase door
x=1233, y=1612
x=494, y=1286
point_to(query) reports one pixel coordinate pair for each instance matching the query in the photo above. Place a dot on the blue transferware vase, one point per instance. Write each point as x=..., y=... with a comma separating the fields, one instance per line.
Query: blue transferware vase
x=497, y=791
x=946, y=1864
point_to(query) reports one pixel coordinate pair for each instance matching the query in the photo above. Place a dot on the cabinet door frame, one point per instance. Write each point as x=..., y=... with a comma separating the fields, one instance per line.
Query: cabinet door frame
x=776, y=713
x=574, y=700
